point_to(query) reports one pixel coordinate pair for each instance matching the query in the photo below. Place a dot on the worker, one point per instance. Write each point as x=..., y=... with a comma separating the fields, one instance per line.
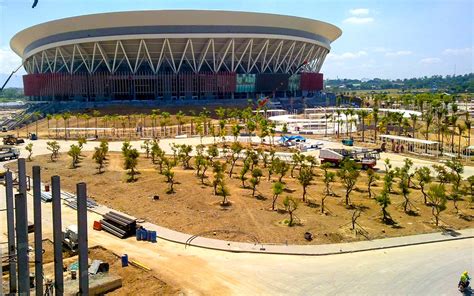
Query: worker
x=464, y=281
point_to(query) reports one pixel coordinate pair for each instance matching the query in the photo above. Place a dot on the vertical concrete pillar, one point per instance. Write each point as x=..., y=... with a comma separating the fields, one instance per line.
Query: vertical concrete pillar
x=81, y=192
x=11, y=231
x=57, y=236
x=22, y=244
x=38, y=230
x=22, y=176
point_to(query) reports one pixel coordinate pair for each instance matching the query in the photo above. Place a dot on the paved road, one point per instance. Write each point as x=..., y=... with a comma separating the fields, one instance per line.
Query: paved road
x=431, y=269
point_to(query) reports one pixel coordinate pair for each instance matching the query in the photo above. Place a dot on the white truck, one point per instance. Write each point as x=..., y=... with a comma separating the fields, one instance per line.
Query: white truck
x=367, y=158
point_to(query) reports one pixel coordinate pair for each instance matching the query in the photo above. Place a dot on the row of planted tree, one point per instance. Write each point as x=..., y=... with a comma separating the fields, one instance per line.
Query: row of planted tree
x=253, y=166
x=441, y=120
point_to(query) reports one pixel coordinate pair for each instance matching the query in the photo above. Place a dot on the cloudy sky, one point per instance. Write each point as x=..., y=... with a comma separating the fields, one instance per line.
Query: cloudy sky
x=385, y=39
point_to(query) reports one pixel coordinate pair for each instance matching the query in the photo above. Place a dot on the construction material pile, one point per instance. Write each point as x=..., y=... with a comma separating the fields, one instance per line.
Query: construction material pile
x=118, y=225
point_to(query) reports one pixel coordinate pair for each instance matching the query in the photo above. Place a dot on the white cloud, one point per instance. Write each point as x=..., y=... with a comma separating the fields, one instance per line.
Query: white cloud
x=457, y=51
x=398, y=53
x=346, y=55
x=379, y=49
x=430, y=60
x=359, y=11
x=358, y=20
x=9, y=61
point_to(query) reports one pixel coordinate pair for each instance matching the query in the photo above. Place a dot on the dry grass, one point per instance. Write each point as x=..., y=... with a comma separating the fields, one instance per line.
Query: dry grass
x=194, y=209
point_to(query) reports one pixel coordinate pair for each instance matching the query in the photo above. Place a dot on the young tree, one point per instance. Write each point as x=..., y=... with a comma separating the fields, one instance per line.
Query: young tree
x=54, y=147
x=328, y=178
x=372, y=178
x=437, y=199
x=169, y=174
x=243, y=172
x=99, y=158
x=223, y=191
x=291, y=205
x=205, y=163
x=383, y=199
x=348, y=175
x=218, y=168
x=236, y=149
x=74, y=152
x=255, y=180
x=130, y=163
x=277, y=189
x=304, y=178
x=184, y=156
x=423, y=176
x=29, y=148
x=280, y=168
x=81, y=142
x=457, y=169
x=405, y=189
x=212, y=152
x=297, y=160
x=147, y=146
x=155, y=151
x=236, y=128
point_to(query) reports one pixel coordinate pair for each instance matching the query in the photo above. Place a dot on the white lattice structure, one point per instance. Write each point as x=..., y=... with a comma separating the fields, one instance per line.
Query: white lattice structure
x=175, y=41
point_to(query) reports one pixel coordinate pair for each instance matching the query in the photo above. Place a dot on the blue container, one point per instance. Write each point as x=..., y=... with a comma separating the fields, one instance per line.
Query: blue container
x=138, y=234
x=143, y=234
x=148, y=235
x=153, y=236
x=124, y=260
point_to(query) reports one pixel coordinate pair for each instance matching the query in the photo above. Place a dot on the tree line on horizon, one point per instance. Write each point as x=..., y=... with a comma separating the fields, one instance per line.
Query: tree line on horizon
x=450, y=83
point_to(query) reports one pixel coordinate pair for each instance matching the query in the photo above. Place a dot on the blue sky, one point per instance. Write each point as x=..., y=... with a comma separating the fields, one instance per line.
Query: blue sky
x=385, y=39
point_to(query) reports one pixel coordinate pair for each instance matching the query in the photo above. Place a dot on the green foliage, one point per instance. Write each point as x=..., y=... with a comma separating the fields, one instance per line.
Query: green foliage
x=130, y=162
x=423, y=176
x=54, y=147
x=372, y=178
x=29, y=148
x=236, y=149
x=304, y=178
x=243, y=172
x=184, y=156
x=383, y=199
x=280, y=167
x=74, y=152
x=277, y=189
x=81, y=142
x=147, y=147
x=291, y=205
x=348, y=174
x=437, y=200
x=255, y=180
x=99, y=156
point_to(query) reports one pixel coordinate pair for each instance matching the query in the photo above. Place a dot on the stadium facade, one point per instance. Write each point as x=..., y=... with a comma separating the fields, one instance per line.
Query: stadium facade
x=176, y=54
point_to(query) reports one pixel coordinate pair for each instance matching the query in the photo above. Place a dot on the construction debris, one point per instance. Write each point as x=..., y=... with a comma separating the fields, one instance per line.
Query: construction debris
x=118, y=225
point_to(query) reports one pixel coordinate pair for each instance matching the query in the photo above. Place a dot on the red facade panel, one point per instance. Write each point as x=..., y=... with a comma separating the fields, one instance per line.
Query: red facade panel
x=311, y=81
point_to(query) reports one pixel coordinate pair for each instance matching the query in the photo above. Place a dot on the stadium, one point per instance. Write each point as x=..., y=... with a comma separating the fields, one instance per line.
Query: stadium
x=173, y=55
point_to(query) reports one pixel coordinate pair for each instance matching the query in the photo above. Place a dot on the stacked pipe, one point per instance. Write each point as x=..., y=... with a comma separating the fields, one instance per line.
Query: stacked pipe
x=118, y=225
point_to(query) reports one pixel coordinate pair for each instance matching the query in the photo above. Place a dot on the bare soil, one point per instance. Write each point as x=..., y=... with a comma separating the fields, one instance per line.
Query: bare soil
x=194, y=208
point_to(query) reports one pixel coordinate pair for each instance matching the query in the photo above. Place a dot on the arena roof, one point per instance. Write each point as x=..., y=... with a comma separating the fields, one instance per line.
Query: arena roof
x=89, y=28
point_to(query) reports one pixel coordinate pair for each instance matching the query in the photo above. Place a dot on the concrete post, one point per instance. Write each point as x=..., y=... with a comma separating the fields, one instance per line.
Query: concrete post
x=11, y=230
x=57, y=236
x=22, y=176
x=22, y=244
x=81, y=193
x=38, y=230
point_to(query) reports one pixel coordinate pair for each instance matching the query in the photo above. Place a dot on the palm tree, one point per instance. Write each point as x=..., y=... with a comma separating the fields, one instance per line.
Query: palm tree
x=165, y=118
x=180, y=119
x=338, y=112
x=468, y=124
x=428, y=117
x=78, y=116
x=461, y=129
x=48, y=118
x=56, y=119
x=452, y=120
x=66, y=116
x=37, y=116
x=363, y=114
x=414, y=118
x=154, y=115
x=105, y=120
x=96, y=114
x=86, y=117
x=375, y=116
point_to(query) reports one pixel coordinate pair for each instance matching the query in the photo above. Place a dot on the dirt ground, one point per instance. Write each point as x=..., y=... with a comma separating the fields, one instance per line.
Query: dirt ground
x=194, y=209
